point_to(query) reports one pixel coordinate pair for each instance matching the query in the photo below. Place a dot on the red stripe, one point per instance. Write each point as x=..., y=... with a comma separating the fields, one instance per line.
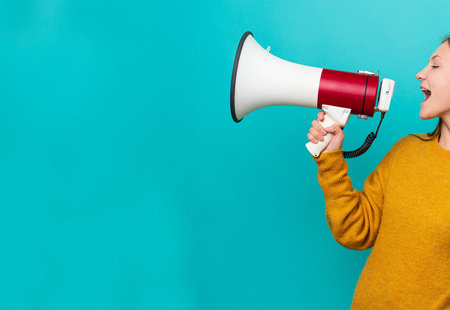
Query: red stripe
x=348, y=90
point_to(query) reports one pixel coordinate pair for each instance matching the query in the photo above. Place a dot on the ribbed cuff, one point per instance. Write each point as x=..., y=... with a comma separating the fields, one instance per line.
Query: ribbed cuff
x=330, y=161
x=326, y=156
x=332, y=174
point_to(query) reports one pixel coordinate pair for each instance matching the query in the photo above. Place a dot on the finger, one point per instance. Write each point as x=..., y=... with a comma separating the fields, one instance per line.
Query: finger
x=321, y=116
x=331, y=128
x=311, y=138
x=316, y=134
x=334, y=129
x=316, y=125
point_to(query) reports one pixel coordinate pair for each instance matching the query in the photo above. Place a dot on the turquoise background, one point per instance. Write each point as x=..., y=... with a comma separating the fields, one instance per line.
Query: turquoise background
x=125, y=184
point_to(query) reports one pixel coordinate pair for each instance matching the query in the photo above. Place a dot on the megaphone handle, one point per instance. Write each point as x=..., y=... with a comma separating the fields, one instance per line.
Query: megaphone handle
x=316, y=148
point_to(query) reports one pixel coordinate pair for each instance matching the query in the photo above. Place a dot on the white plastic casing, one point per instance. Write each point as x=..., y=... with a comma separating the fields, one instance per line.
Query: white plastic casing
x=386, y=92
x=264, y=80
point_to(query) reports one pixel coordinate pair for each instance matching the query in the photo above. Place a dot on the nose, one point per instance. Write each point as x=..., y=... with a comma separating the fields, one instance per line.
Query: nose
x=421, y=75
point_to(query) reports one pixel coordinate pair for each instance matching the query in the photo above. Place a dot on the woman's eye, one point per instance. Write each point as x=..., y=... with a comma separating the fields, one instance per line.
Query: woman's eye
x=434, y=67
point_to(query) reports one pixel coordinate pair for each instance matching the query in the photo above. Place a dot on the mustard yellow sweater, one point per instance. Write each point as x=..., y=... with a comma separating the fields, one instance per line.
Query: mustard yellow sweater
x=403, y=211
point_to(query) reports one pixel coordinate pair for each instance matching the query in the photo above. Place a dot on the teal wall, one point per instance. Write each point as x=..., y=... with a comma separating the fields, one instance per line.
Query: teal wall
x=125, y=184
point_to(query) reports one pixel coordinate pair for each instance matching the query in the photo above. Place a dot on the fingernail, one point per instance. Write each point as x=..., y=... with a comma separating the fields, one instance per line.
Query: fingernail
x=324, y=132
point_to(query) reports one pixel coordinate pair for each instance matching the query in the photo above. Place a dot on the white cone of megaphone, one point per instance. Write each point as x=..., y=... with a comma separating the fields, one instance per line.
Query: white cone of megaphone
x=261, y=79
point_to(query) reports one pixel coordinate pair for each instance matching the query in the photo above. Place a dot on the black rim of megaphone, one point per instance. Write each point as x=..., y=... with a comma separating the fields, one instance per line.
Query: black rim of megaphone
x=233, y=78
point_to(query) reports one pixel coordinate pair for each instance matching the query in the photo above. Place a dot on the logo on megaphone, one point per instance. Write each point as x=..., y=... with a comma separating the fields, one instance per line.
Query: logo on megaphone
x=261, y=79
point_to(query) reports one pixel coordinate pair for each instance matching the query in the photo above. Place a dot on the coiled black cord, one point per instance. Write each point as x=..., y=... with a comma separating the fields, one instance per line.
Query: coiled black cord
x=367, y=143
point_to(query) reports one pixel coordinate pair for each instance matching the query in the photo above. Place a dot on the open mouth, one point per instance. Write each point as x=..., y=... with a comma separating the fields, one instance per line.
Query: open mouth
x=427, y=93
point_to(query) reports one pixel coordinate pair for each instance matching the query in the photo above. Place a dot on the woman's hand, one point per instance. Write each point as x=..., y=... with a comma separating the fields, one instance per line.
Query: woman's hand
x=316, y=133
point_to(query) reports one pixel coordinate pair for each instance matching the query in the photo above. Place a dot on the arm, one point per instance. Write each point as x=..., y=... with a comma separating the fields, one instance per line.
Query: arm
x=353, y=216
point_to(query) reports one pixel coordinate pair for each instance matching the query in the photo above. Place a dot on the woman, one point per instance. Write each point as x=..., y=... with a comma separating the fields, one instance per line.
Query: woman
x=403, y=210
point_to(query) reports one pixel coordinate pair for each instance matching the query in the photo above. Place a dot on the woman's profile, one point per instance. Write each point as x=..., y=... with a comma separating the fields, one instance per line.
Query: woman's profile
x=403, y=210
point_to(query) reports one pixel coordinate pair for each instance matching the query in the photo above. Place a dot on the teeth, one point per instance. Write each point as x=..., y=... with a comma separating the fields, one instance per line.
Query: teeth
x=425, y=91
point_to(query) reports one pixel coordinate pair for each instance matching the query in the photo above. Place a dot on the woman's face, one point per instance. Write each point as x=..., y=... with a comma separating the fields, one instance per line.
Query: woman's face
x=435, y=83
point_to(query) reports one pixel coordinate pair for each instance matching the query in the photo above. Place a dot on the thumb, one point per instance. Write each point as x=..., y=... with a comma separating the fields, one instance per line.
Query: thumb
x=337, y=139
x=334, y=129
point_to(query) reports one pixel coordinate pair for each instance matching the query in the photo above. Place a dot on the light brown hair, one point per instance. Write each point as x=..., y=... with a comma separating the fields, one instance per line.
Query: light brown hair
x=436, y=133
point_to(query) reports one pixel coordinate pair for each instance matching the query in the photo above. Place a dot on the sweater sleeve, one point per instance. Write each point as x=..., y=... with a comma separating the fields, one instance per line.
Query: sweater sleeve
x=353, y=216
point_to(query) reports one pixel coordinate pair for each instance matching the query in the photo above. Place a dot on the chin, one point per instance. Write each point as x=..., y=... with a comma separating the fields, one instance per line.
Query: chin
x=425, y=110
x=424, y=115
x=427, y=115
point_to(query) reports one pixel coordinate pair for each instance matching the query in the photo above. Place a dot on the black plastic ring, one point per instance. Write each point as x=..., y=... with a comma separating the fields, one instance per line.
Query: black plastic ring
x=233, y=77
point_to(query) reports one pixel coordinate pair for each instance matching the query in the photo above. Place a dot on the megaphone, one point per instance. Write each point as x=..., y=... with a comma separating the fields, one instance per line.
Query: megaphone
x=261, y=79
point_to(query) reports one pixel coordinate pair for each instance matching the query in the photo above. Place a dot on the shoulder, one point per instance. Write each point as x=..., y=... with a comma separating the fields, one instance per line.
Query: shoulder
x=411, y=141
x=415, y=138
